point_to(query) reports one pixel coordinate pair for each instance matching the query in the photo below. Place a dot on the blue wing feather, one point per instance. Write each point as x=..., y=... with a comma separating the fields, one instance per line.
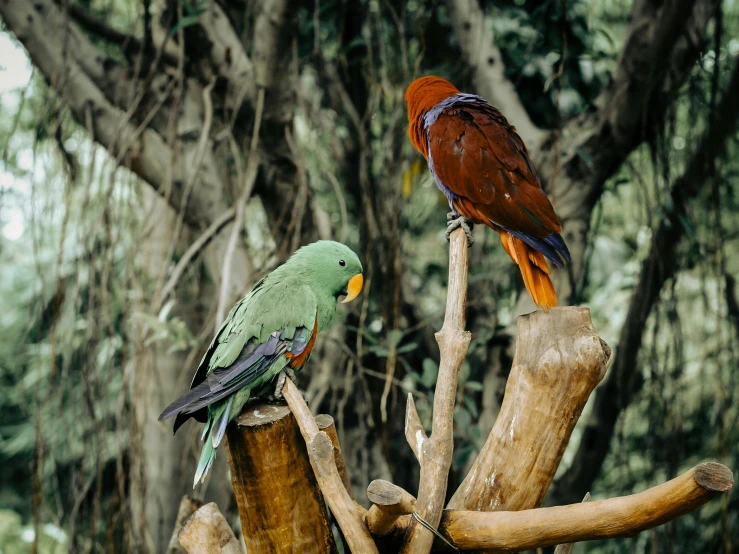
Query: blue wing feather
x=253, y=361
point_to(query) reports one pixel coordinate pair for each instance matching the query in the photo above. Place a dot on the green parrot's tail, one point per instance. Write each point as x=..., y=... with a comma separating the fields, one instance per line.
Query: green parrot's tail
x=207, y=456
x=215, y=428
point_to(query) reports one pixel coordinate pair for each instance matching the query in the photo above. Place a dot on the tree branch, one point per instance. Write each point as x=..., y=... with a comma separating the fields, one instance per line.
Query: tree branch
x=659, y=52
x=77, y=71
x=559, y=360
x=435, y=453
x=389, y=502
x=128, y=43
x=229, y=57
x=320, y=452
x=483, y=57
x=566, y=547
x=326, y=424
x=625, y=516
x=661, y=264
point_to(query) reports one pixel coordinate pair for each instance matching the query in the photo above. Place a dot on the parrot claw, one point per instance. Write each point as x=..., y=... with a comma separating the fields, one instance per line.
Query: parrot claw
x=455, y=221
x=281, y=378
x=290, y=373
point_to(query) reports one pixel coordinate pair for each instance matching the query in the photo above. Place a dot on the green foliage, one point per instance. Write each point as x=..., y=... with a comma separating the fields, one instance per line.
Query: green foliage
x=77, y=304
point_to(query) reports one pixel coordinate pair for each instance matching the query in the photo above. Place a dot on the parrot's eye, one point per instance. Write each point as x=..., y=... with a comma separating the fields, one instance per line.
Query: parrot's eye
x=342, y=263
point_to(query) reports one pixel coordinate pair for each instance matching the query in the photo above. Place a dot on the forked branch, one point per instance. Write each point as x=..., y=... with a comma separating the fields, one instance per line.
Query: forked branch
x=624, y=516
x=435, y=453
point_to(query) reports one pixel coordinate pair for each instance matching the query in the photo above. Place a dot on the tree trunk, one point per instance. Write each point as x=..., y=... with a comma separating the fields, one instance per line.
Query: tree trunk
x=165, y=463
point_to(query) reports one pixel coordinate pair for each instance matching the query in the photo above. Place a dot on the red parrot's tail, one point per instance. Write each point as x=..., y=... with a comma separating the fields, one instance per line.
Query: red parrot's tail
x=534, y=269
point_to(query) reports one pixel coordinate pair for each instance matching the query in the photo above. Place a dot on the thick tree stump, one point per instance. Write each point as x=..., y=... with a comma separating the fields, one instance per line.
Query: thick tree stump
x=558, y=362
x=281, y=507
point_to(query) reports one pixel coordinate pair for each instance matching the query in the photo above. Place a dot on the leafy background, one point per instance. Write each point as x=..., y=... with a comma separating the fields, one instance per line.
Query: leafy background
x=76, y=284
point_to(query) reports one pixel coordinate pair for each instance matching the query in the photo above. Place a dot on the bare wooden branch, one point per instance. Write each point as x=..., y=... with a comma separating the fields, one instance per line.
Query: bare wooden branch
x=321, y=456
x=326, y=424
x=625, y=516
x=558, y=362
x=188, y=506
x=229, y=57
x=435, y=454
x=389, y=502
x=97, y=94
x=414, y=431
x=130, y=45
x=280, y=504
x=566, y=548
x=208, y=532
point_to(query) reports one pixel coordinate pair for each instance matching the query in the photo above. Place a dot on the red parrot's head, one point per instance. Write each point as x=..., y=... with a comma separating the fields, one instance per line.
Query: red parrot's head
x=422, y=95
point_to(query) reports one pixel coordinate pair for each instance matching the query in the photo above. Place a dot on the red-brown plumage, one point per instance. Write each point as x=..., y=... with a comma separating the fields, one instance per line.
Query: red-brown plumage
x=479, y=158
x=296, y=362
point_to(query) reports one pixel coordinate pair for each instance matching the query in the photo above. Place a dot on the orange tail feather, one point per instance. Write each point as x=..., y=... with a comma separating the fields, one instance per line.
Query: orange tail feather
x=534, y=270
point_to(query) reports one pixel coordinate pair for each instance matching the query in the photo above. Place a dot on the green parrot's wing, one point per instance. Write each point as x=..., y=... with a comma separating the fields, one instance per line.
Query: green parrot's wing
x=264, y=331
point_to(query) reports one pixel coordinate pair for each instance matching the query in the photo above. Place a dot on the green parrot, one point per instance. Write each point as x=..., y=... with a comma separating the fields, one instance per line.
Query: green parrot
x=266, y=336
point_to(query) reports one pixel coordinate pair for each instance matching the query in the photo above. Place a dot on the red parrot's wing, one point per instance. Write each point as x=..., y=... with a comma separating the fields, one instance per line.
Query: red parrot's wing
x=479, y=157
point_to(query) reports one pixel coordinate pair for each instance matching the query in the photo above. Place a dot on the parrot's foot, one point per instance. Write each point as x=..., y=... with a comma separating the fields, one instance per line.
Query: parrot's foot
x=281, y=378
x=454, y=221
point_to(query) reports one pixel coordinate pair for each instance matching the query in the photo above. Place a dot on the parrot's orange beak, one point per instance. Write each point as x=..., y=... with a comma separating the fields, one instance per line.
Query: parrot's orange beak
x=353, y=288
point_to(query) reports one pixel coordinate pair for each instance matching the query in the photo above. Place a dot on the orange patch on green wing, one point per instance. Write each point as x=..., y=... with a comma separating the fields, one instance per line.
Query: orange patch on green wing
x=296, y=362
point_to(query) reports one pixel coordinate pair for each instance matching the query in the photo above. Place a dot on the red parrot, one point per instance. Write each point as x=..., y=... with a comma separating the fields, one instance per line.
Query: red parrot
x=483, y=168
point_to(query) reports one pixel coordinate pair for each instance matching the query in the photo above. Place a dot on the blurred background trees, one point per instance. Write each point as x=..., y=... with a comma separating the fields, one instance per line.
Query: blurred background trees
x=134, y=210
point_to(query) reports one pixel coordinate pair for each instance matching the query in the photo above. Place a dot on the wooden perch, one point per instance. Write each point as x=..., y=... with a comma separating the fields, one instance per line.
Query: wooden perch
x=624, y=516
x=558, y=362
x=208, y=532
x=188, y=505
x=389, y=502
x=566, y=548
x=435, y=453
x=280, y=504
x=414, y=433
x=326, y=424
x=321, y=454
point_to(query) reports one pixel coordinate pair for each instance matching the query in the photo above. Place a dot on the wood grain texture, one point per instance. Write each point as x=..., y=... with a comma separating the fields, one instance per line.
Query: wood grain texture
x=435, y=453
x=558, y=362
x=566, y=548
x=326, y=424
x=414, y=431
x=625, y=516
x=208, y=532
x=280, y=504
x=321, y=454
x=389, y=502
x=188, y=506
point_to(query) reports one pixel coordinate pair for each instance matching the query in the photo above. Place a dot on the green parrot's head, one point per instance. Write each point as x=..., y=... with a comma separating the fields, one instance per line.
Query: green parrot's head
x=332, y=266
